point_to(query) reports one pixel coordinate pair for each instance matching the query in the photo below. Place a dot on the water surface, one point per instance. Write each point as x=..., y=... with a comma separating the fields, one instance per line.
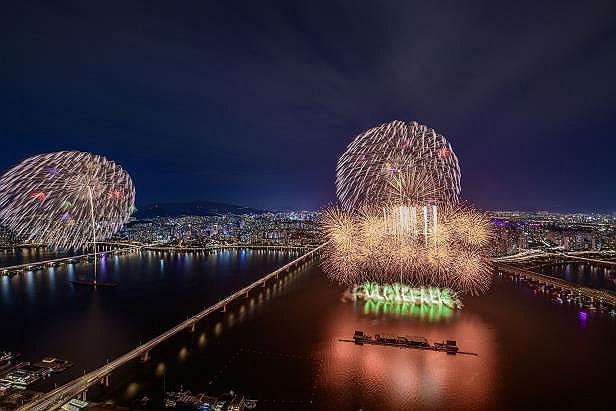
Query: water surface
x=281, y=344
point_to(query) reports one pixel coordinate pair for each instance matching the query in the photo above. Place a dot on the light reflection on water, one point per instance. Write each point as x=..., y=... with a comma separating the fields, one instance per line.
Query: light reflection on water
x=292, y=341
x=6, y=290
x=513, y=332
x=16, y=256
x=51, y=275
x=585, y=274
x=30, y=292
x=42, y=313
x=409, y=378
x=426, y=312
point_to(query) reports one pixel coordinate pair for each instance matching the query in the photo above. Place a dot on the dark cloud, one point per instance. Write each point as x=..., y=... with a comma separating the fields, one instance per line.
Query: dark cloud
x=252, y=102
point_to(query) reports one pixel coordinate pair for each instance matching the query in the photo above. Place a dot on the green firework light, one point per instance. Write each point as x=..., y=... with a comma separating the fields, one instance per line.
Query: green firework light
x=406, y=294
x=431, y=313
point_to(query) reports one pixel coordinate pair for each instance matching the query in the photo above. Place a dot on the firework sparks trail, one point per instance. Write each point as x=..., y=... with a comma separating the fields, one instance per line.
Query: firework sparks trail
x=418, y=162
x=364, y=247
x=66, y=199
x=400, y=220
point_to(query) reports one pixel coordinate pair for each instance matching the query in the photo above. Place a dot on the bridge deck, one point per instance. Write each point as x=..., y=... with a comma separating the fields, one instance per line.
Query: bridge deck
x=128, y=247
x=60, y=259
x=599, y=295
x=573, y=255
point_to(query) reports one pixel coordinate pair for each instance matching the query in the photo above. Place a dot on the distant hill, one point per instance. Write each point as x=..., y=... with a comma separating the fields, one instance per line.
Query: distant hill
x=191, y=208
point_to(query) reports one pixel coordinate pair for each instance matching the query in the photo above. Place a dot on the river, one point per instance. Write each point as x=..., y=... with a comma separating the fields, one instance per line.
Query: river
x=281, y=346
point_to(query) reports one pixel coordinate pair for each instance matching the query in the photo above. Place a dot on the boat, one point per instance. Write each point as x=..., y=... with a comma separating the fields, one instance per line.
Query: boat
x=7, y=356
x=448, y=346
x=419, y=342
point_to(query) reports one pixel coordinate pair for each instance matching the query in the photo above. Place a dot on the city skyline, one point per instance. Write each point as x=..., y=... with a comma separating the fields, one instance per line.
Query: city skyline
x=252, y=104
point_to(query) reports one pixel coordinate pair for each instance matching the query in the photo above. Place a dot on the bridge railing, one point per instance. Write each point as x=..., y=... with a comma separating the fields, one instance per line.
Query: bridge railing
x=598, y=294
x=573, y=255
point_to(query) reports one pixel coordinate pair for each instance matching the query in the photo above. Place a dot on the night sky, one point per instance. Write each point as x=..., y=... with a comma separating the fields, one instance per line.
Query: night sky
x=252, y=102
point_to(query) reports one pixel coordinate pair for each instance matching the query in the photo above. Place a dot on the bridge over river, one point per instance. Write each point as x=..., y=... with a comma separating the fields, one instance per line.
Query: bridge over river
x=594, y=294
x=606, y=257
x=79, y=386
x=126, y=248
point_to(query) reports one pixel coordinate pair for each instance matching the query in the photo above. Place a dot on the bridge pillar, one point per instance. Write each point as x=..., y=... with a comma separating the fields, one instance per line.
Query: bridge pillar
x=263, y=284
x=84, y=395
x=193, y=327
x=247, y=294
x=105, y=380
x=224, y=308
x=145, y=357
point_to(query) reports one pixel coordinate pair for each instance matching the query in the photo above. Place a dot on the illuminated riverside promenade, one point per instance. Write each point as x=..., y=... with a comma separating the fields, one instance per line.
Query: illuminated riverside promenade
x=79, y=386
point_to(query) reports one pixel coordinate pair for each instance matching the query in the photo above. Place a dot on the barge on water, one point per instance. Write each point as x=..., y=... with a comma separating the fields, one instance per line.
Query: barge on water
x=421, y=343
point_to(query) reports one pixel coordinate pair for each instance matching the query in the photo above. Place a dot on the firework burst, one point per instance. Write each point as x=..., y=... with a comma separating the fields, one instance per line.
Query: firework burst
x=400, y=220
x=371, y=246
x=401, y=160
x=66, y=199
